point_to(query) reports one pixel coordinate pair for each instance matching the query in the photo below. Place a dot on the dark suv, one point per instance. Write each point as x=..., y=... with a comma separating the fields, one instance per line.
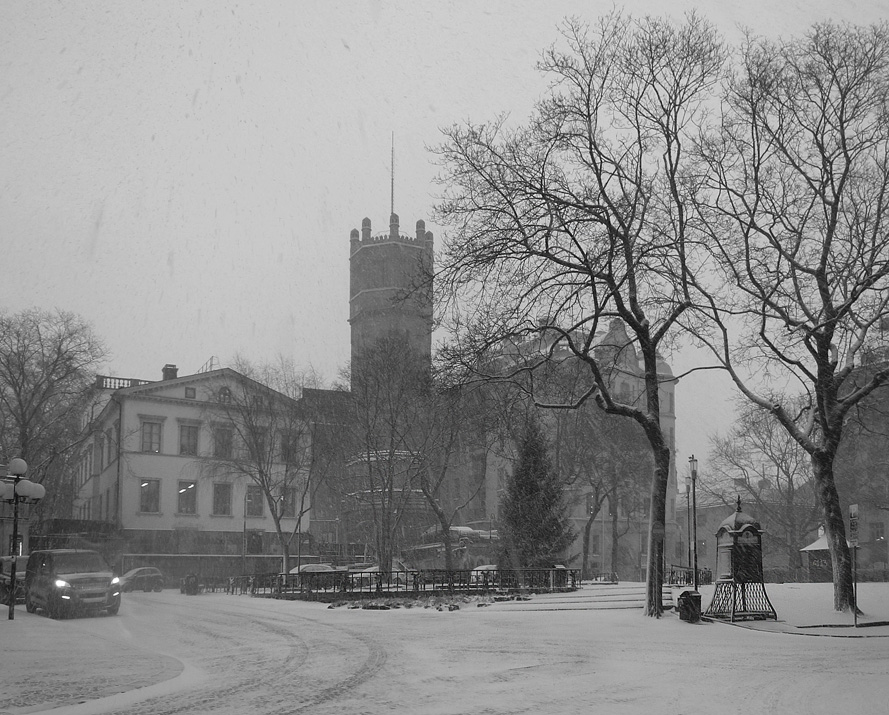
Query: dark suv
x=65, y=581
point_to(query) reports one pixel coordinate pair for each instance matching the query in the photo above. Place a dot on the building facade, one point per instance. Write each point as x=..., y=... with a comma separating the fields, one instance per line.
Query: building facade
x=390, y=289
x=605, y=460
x=169, y=466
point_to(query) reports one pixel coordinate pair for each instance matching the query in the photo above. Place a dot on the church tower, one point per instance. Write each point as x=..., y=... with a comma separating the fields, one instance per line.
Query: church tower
x=390, y=289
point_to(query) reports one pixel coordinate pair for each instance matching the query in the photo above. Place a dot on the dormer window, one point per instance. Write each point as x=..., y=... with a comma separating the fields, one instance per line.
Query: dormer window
x=189, y=393
x=224, y=396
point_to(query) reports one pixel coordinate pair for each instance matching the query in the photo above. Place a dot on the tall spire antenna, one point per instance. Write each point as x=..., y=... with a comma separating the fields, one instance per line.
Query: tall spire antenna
x=392, y=178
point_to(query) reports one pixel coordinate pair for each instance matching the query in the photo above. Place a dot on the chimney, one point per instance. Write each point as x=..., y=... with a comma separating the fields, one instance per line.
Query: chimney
x=171, y=372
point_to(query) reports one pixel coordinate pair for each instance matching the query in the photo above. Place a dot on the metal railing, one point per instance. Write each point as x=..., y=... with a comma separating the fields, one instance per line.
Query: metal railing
x=684, y=576
x=427, y=581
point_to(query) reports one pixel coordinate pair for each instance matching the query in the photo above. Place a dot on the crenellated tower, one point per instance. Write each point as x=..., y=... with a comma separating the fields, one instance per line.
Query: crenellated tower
x=390, y=289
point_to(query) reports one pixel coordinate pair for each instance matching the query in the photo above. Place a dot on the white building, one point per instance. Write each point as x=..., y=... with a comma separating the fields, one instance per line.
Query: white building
x=210, y=463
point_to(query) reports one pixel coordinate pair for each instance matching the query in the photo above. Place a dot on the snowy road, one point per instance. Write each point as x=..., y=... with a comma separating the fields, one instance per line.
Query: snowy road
x=229, y=655
x=211, y=653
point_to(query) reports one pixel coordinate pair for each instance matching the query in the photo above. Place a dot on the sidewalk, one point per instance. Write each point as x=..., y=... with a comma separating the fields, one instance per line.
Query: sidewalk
x=807, y=609
x=37, y=663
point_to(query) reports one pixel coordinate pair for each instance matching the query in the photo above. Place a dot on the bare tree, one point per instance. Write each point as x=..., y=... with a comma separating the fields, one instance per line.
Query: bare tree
x=451, y=438
x=581, y=217
x=47, y=380
x=603, y=457
x=264, y=435
x=795, y=204
x=382, y=429
x=760, y=462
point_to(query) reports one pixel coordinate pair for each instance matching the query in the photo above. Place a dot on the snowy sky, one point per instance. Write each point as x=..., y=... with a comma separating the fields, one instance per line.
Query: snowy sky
x=185, y=175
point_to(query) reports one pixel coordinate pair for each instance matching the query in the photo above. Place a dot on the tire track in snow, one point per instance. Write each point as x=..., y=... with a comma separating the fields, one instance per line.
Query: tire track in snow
x=323, y=661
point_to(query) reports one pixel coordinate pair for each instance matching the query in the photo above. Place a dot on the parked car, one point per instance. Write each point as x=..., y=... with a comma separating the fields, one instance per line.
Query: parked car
x=317, y=576
x=484, y=530
x=64, y=582
x=313, y=568
x=5, y=574
x=145, y=578
x=371, y=576
x=481, y=575
x=458, y=535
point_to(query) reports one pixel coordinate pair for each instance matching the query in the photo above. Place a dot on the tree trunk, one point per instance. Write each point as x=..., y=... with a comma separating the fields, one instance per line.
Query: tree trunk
x=835, y=531
x=654, y=605
x=584, y=565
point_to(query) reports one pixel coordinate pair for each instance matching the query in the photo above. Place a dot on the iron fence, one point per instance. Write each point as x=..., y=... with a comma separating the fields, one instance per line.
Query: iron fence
x=332, y=584
x=684, y=576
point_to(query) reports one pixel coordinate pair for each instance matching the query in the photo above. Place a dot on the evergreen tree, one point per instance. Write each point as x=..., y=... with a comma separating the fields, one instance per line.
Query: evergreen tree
x=534, y=526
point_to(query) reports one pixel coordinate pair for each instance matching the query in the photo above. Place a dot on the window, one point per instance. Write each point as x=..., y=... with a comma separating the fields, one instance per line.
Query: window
x=253, y=504
x=188, y=501
x=224, y=396
x=222, y=443
x=110, y=444
x=151, y=437
x=189, y=393
x=877, y=532
x=188, y=439
x=288, y=502
x=100, y=450
x=149, y=496
x=222, y=499
x=257, y=441
x=290, y=452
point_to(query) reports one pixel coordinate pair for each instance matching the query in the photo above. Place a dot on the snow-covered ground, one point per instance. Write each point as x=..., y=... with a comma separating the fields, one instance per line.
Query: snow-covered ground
x=212, y=653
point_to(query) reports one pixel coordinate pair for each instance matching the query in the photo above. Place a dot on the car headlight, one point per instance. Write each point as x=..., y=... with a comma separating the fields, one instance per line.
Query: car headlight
x=115, y=581
x=62, y=584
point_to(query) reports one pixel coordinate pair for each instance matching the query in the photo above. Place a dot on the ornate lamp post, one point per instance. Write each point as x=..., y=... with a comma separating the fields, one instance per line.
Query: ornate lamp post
x=693, y=463
x=688, y=520
x=18, y=491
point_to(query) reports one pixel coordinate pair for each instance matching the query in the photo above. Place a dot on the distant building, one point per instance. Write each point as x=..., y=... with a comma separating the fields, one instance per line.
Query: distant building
x=149, y=476
x=860, y=468
x=390, y=290
x=157, y=472
x=619, y=533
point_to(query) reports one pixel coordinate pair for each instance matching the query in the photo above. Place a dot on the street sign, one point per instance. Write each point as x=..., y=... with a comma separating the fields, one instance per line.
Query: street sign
x=853, y=525
x=853, y=542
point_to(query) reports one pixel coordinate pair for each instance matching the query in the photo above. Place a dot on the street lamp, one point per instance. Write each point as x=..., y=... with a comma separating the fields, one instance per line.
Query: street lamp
x=688, y=521
x=693, y=463
x=244, y=537
x=18, y=491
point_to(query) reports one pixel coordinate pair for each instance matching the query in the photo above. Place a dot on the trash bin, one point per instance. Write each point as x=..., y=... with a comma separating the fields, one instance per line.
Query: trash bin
x=689, y=603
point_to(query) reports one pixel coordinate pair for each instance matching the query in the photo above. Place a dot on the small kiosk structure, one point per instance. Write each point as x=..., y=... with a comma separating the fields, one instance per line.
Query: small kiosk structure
x=740, y=592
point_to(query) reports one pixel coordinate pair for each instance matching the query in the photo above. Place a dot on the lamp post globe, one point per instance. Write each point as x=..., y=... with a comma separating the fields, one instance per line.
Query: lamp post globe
x=17, y=466
x=21, y=490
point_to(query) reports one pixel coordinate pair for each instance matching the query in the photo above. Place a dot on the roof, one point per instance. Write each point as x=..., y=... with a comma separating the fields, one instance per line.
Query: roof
x=739, y=520
x=820, y=544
